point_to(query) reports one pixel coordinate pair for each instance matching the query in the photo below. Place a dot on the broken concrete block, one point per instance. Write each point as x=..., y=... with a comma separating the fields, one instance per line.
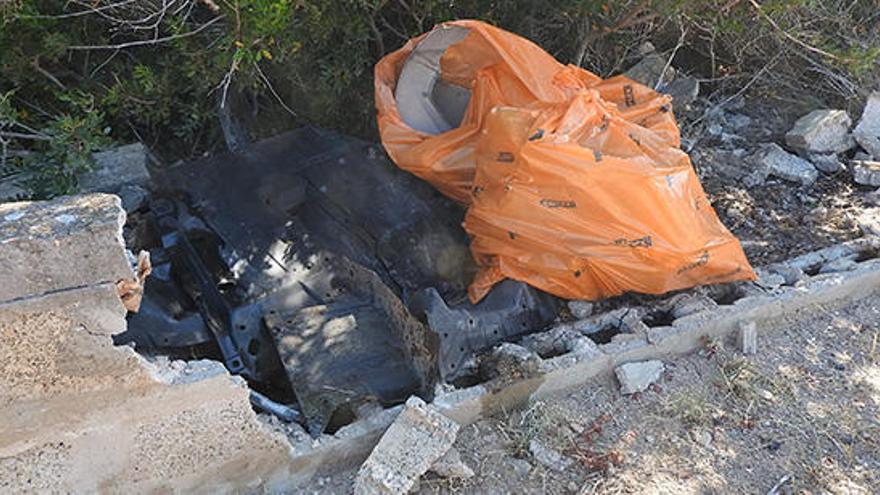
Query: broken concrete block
x=117, y=167
x=72, y=241
x=548, y=457
x=828, y=163
x=689, y=304
x=412, y=444
x=450, y=465
x=866, y=173
x=580, y=309
x=638, y=376
x=649, y=69
x=683, y=90
x=867, y=132
x=790, y=274
x=776, y=161
x=821, y=131
x=769, y=280
x=133, y=197
x=747, y=337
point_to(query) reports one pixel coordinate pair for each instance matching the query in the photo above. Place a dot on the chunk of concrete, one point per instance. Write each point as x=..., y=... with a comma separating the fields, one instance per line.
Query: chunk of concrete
x=747, y=337
x=72, y=241
x=548, y=457
x=866, y=172
x=450, y=465
x=648, y=70
x=580, y=309
x=821, y=131
x=638, y=376
x=683, y=90
x=838, y=265
x=511, y=361
x=412, y=444
x=117, y=167
x=867, y=132
x=776, y=161
x=826, y=162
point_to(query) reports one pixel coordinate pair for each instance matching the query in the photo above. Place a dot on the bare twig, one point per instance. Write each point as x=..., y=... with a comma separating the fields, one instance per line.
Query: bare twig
x=785, y=33
x=21, y=135
x=678, y=45
x=131, y=44
x=91, y=10
x=36, y=65
x=272, y=89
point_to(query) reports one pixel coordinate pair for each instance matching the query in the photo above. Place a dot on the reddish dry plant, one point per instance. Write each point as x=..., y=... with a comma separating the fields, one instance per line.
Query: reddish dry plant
x=596, y=461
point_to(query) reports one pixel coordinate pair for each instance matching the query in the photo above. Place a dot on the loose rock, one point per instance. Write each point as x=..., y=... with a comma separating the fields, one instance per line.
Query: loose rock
x=637, y=377
x=821, y=131
x=580, y=309
x=683, y=90
x=412, y=444
x=866, y=173
x=776, y=161
x=649, y=69
x=828, y=163
x=867, y=132
x=450, y=465
x=549, y=457
x=747, y=337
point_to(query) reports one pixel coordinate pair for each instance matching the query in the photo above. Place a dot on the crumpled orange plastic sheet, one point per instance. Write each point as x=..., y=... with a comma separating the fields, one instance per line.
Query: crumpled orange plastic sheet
x=574, y=184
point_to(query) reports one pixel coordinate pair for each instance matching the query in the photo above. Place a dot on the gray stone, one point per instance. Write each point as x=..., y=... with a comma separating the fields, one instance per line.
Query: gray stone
x=580, y=309
x=450, y=465
x=838, y=265
x=410, y=446
x=737, y=121
x=638, y=376
x=747, y=337
x=776, y=161
x=866, y=173
x=873, y=197
x=683, y=90
x=690, y=304
x=511, y=361
x=828, y=163
x=868, y=221
x=867, y=132
x=649, y=69
x=117, y=167
x=821, y=131
x=769, y=280
x=790, y=274
x=72, y=241
x=548, y=457
x=133, y=197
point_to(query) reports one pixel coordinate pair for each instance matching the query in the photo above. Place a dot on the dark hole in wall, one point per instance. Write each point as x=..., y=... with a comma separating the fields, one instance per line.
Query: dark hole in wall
x=605, y=335
x=727, y=294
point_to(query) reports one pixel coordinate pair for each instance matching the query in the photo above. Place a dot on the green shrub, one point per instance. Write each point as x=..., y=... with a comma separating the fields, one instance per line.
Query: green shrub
x=76, y=73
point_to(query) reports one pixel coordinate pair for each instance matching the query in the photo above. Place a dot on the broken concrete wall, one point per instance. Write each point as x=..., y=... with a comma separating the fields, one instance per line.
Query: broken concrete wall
x=81, y=415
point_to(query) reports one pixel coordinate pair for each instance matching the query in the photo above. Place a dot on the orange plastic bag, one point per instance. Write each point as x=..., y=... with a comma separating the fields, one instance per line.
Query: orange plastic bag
x=575, y=185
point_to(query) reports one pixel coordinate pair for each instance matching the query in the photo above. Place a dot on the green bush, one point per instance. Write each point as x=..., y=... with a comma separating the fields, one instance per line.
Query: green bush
x=76, y=74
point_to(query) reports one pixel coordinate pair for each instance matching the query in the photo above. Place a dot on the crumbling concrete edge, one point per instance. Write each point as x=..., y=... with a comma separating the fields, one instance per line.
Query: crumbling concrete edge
x=352, y=444
x=686, y=334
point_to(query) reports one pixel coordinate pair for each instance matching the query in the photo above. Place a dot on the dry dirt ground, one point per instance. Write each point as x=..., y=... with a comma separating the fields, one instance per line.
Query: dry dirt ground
x=803, y=415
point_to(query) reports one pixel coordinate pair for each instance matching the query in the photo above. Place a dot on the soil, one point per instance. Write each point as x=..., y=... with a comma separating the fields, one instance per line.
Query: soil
x=805, y=411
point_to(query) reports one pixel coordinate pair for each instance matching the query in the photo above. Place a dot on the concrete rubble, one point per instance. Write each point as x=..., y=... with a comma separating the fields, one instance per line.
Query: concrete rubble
x=866, y=172
x=81, y=415
x=821, y=131
x=771, y=159
x=649, y=70
x=638, y=376
x=409, y=448
x=450, y=465
x=747, y=337
x=867, y=131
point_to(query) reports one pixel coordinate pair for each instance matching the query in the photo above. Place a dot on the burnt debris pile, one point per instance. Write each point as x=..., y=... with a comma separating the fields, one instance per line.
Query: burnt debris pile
x=320, y=272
